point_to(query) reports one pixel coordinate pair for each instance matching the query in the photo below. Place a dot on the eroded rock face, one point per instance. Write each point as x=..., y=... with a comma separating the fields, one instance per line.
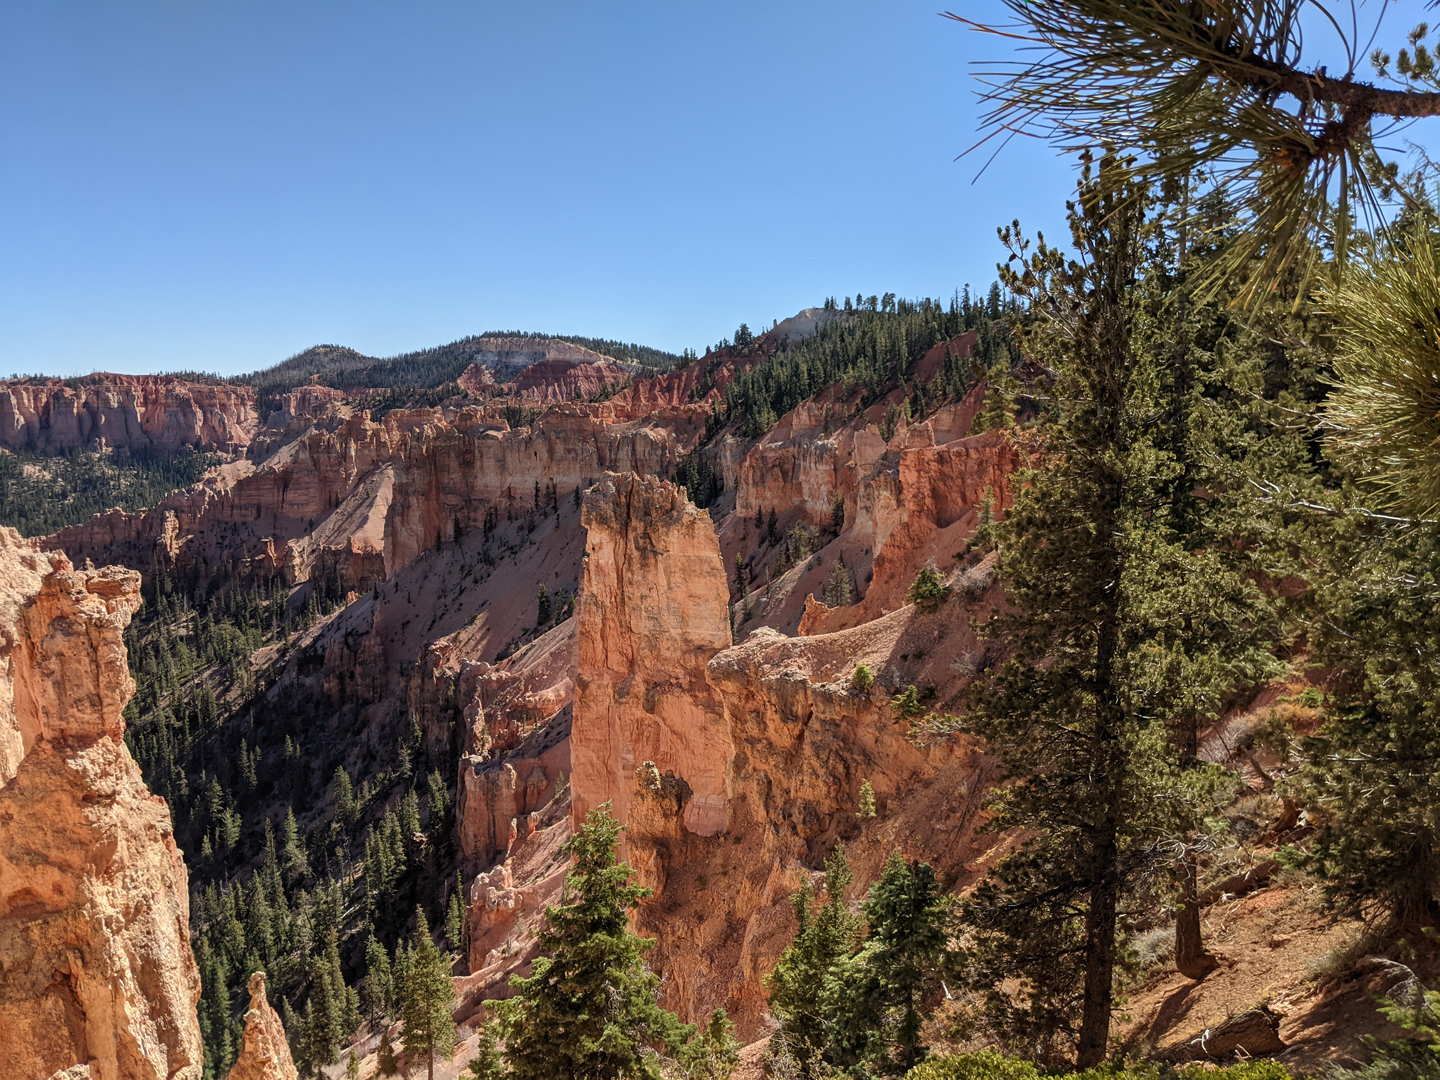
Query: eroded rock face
x=155, y=413
x=357, y=500
x=264, y=1053
x=95, y=961
x=653, y=609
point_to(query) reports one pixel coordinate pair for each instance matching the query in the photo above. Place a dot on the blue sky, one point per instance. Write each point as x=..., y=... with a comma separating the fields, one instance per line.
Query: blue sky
x=217, y=184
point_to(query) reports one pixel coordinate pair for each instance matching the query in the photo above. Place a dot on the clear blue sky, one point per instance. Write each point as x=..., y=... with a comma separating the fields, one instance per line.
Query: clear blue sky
x=217, y=184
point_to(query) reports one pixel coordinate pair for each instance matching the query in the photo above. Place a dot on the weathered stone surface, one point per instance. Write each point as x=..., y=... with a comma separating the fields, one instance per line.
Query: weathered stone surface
x=360, y=500
x=264, y=1053
x=653, y=609
x=157, y=413
x=95, y=962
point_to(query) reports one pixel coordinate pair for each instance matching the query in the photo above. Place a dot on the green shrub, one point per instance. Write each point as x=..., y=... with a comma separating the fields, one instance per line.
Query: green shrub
x=983, y=1066
x=862, y=678
x=907, y=702
x=928, y=591
x=992, y=1066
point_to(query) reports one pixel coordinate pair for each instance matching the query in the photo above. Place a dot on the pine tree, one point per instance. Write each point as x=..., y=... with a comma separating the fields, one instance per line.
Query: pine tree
x=455, y=917
x=346, y=811
x=838, y=591
x=379, y=983
x=867, y=801
x=807, y=986
x=385, y=1063
x=437, y=799
x=1078, y=712
x=904, y=956
x=426, y=999
x=297, y=864
x=590, y=1008
x=542, y=610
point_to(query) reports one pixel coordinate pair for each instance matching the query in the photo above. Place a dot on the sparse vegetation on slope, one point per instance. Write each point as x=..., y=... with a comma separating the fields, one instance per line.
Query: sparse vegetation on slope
x=41, y=494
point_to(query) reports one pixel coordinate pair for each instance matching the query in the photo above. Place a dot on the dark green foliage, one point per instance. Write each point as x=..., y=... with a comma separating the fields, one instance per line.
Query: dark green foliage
x=41, y=494
x=928, y=591
x=838, y=591
x=425, y=1000
x=856, y=1003
x=385, y=1061
x=589, y=1008
x=992, y=1066
x=334, y=365
x=379, y=986
x=296, y=865
x=1373, y=772
x=899, y=968
x=1415, y=1057
x=695, y=473
x=808, y=994
x=542, y=607
x=1099, y=570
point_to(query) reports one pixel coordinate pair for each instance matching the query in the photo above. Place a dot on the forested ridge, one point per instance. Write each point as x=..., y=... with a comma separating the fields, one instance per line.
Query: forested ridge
x=337, y=366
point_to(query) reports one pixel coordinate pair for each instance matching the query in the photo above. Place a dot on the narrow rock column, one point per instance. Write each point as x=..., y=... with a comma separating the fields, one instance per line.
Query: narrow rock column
x=653, y=610
x=264, y=1053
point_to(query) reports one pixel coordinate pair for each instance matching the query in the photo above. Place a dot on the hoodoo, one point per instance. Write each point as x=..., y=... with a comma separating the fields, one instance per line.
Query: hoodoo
x=95, y=961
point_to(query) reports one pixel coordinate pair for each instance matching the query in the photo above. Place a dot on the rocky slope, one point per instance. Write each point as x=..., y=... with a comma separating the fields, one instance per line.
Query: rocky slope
x=144, y=413
x=95, y=961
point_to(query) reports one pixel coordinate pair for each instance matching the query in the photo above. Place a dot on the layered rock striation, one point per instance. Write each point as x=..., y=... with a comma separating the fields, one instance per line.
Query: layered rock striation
x=95, y=961
x=145, y=413
x=359, y=500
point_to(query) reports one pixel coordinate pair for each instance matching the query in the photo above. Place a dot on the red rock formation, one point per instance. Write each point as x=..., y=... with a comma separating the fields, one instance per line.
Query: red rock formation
x=95, y=962
x=565, y=380
x=653, y=609
x=138, y=412
x=727, y=809
x=264, y=1051
x=365, y=498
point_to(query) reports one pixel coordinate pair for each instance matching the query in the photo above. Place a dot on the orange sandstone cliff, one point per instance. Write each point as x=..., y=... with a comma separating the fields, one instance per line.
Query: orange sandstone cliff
x=95, y=962
x=154, y=413
x=653, y=609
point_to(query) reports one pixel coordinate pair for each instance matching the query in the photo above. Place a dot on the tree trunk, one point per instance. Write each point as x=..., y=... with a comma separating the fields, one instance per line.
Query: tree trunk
x=1099, y=958
x=1191, y=958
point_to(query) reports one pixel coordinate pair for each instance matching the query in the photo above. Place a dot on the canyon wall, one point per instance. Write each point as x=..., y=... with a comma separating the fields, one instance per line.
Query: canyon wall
x=360, y=500
x=147, y=413
x=95, y=961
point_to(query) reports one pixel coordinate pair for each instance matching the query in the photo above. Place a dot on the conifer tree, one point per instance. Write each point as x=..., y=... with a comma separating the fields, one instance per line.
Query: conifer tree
x=904, y=956
x=379, y=984
x=1078, y=712
x=346, y=810
x=590, y=1007
x=385, y=1063
x=807, y=991
x=426, y=1000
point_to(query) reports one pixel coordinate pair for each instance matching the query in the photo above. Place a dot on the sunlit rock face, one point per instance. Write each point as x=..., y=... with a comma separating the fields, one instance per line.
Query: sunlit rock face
x=95, y=961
